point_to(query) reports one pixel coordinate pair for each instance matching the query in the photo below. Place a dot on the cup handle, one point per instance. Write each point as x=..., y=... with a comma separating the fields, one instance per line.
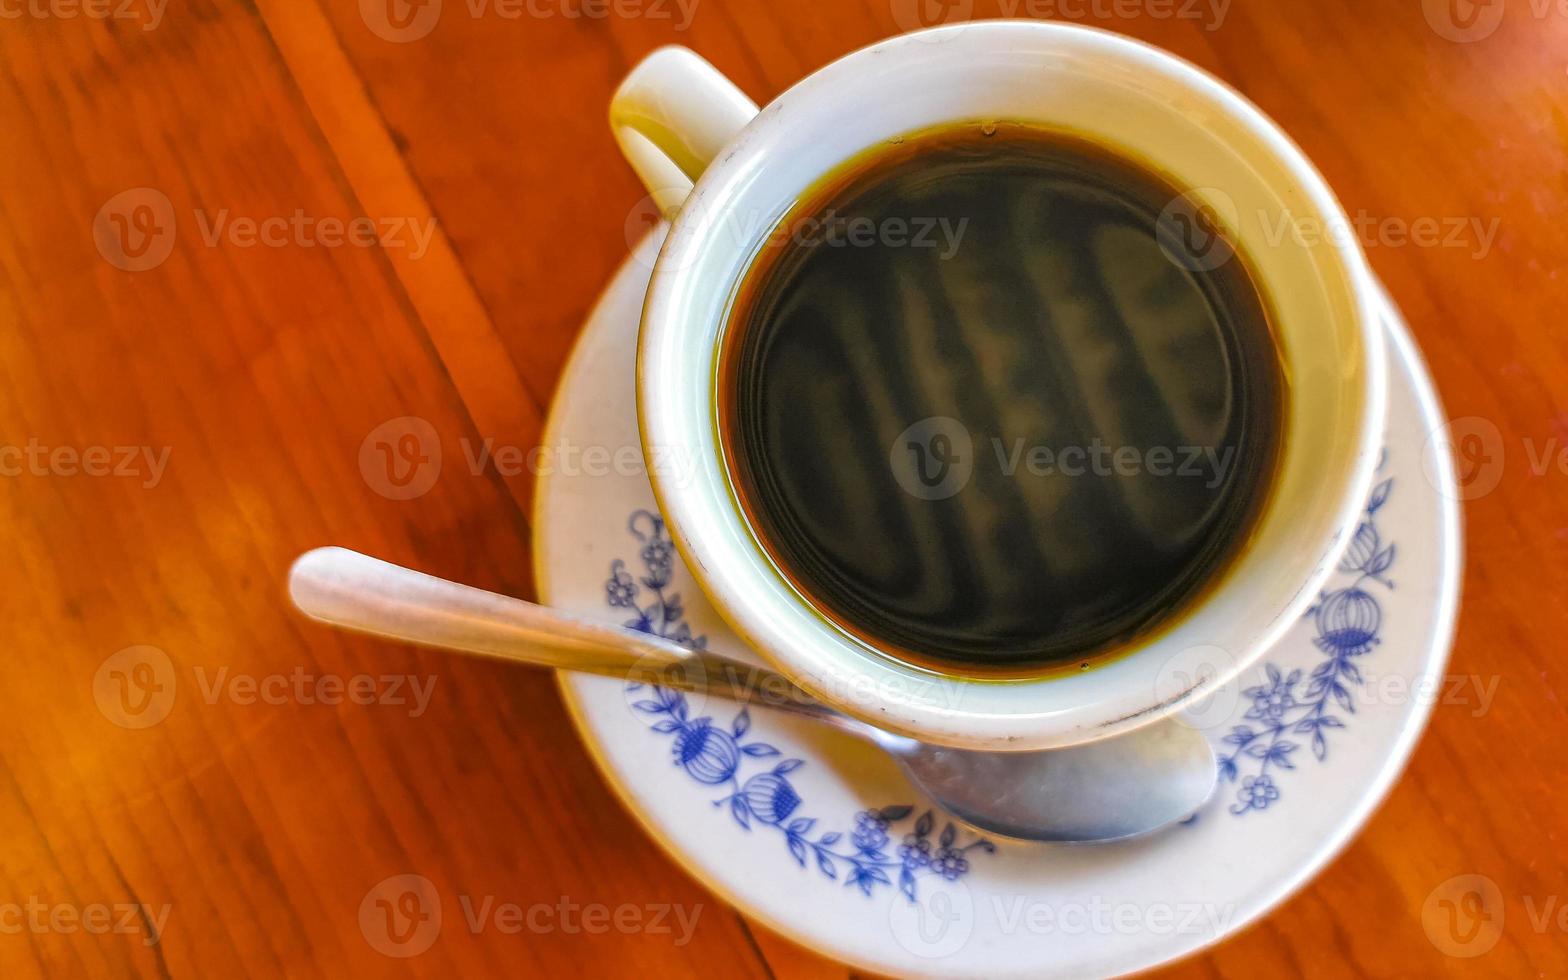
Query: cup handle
x=671, y=116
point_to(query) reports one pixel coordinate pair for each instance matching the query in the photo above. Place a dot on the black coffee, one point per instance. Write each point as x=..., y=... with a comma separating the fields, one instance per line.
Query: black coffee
x=993, y=404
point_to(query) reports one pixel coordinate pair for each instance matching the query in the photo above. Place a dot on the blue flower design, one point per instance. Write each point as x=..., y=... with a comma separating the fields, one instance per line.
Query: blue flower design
x=715, y=755
x=915, y=852
x=1269, y=703
x=658, y=554
x=1258, y=792
x=950, y=864
x=709, y=755
x=664, y=614
x=770, y=797
x=620, y=590
x=1347, y=621
x=870, y=834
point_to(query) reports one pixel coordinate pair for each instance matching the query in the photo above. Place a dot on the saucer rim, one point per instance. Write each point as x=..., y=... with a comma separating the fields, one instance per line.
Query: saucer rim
x=1445, y=604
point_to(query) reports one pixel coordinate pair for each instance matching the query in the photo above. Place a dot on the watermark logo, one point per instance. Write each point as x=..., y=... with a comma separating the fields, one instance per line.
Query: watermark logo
x=400, y=21
x=1464, y=21
x=937, y=923
x=400, y=916
x=1191, y=229
x=641, y=221
x=934, y=459
x=1200, y=666
x=135, y=687
x=1463, y=917
x=917, y=15
x=401, y=458
x=135, y=229
x=1475, y=451
x=653, y=681
x=1475, y=447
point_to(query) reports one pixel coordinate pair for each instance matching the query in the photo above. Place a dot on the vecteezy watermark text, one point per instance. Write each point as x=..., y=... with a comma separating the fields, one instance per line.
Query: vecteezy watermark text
x=1099, y=917
x=940, y=921
x=144, y=463
x=747, y=686
x=402, y=916
x=835, y=230
x=403, y=458
x=1195, y=230
x=1371, y=231
x=679, y=12
x=137, y=687
x=310, y=231
x=1472, y=692
x=1098, y=458
x=574, y=918
x=302, y=687
x=96, y=919
x=149, y=12
x=744, y=228
x=404, y=21
x=1208, y=15
x=136, y=230
x=935, y=459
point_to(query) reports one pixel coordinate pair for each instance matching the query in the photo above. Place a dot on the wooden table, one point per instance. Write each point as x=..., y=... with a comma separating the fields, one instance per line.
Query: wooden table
x=187, y=390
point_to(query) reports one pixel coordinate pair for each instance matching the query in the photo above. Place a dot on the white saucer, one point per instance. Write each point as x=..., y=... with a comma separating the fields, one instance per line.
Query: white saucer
x=820, y=837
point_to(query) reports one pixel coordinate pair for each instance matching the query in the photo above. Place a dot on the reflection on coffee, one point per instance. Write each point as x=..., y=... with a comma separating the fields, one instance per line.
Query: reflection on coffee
x=1019, y=439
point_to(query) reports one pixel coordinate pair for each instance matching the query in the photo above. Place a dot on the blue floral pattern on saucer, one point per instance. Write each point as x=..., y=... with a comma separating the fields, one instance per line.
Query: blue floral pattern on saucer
x=1289, y=706
x=1347, y=621
x=754, y=772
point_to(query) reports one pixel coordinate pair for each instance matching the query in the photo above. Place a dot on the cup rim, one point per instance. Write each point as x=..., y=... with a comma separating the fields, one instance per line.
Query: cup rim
x=711, y=532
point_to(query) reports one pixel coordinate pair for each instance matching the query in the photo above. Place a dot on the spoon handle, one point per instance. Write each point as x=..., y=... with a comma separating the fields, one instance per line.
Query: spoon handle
x=367, y=595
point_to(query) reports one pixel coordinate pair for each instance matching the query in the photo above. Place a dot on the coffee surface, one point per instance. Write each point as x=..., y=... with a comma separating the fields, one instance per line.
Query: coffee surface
x=995, y=399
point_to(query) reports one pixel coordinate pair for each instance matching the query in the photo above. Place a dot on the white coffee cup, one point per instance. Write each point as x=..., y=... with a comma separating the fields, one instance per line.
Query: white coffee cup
x=726, y=173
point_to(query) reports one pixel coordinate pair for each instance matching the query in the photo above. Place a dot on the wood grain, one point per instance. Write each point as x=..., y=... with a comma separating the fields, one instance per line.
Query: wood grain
x=265, y=369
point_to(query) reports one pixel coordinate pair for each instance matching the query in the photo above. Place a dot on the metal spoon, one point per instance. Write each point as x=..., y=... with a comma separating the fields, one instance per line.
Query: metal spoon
x=1101, y=791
